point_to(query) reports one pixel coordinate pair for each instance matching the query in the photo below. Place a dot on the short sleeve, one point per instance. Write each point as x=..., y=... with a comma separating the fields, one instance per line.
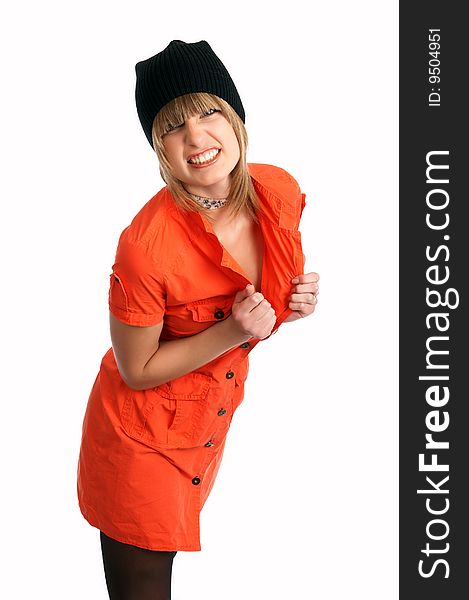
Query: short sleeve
x=292, y=207
x=137, y=291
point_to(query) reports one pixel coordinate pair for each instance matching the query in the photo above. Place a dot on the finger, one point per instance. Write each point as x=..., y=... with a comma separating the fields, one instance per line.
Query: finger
x=262, y=308
x=302, y=308
x=303, y=288
x=241, y=295
x=307, y=298
x=306, y=278
x=266, y=317
x=254, y=300
x=269, y=326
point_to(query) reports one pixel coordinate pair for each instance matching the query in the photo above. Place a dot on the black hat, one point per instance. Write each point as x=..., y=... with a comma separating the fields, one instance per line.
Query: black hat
x=181, y=68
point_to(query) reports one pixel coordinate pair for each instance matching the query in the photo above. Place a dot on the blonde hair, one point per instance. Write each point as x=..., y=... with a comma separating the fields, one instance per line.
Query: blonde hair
x=242, y=192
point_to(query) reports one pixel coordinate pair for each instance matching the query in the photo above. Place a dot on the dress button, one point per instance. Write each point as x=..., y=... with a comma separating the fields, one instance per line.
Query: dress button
x=245, y=345
x=221, y=412
x=196, y=481
x=219, y=314
x=209, y=444
x=229, y=375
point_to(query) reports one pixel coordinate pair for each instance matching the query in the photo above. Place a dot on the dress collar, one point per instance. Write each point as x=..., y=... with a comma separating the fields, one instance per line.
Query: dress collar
x=272, y=189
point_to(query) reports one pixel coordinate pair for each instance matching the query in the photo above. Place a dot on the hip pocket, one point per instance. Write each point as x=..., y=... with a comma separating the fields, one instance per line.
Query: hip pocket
x=169, y=415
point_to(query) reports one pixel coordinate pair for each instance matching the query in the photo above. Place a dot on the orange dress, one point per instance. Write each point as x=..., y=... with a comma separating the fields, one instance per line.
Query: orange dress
x=149, y=458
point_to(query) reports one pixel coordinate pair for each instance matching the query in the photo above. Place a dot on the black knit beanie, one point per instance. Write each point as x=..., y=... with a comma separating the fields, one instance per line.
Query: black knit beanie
x=181, y=68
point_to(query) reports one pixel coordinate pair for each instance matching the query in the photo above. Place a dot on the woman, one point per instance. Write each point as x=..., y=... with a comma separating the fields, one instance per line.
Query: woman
x=208, y=268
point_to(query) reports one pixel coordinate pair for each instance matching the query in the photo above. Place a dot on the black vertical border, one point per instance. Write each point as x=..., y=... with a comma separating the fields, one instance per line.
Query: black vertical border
x=425, y=128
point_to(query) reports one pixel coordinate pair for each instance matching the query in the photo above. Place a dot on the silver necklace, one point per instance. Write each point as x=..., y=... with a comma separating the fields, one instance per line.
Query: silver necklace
x=210, y=203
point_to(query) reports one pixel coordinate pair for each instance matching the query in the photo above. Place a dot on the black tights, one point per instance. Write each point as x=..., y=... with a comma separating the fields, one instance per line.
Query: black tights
x=134, y=573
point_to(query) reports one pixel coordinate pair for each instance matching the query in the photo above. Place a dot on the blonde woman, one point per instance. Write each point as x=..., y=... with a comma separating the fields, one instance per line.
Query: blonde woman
x=208, y=268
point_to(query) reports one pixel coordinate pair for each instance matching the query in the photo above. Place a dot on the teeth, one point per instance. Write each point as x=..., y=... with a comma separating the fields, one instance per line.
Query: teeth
x=203, y=158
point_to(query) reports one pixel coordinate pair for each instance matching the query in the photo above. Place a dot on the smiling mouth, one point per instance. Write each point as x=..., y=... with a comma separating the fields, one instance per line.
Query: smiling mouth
x=205, y=158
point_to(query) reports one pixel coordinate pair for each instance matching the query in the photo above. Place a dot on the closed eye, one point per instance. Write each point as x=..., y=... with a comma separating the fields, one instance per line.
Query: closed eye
x=171, y=127
x=207, y=113
x=210, y=111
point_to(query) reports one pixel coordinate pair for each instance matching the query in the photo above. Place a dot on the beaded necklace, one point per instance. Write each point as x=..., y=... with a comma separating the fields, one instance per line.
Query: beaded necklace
x=210, y=203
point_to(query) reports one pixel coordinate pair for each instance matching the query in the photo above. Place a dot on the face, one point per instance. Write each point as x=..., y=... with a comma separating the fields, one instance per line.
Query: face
x=202, y=152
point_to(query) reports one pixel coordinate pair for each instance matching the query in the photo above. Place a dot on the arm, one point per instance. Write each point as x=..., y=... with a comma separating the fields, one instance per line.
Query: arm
x=145, y=362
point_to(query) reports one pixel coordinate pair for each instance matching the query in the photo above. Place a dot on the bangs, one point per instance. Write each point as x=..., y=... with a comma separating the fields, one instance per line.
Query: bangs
x=183, y=107
x=175, y=113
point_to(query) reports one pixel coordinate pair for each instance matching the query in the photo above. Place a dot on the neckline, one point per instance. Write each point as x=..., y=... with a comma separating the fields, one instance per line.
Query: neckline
x=228, y=259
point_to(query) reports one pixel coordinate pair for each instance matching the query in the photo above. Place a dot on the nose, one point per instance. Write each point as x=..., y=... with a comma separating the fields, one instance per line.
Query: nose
x=193, y=132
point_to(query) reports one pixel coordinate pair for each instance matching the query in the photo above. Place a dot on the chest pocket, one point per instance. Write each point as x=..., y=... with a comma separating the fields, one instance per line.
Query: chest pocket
x=170, y=415
x=210, y=310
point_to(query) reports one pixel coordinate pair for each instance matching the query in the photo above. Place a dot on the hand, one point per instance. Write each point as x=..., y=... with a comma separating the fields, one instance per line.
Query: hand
x=303, y=300
x=252, y=314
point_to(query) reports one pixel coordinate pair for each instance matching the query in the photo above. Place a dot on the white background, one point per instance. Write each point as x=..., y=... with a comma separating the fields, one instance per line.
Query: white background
x=305, y=504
